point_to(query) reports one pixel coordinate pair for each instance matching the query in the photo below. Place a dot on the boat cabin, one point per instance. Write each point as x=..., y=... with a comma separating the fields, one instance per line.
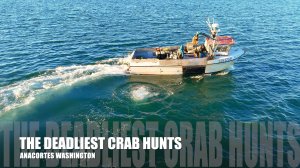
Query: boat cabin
x=221, y=45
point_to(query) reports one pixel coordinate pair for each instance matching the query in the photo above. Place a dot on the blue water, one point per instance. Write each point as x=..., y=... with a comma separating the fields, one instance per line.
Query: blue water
x=60, y=60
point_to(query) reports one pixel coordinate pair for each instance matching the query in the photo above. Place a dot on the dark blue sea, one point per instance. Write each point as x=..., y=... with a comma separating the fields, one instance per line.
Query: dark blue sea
x=60, y=60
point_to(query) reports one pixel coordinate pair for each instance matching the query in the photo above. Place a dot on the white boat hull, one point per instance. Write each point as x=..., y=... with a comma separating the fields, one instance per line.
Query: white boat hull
x=222, y=63
x=182, y=66
x=212, y=68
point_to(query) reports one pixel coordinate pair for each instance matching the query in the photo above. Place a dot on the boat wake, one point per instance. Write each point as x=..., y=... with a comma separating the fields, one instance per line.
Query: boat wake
x=142, y=92
x=222, y=73
x=23, y=92
x=225, y=72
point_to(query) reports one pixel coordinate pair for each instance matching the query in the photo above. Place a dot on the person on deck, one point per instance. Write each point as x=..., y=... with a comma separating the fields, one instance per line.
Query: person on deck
x=195, y=39
x=200, y=51
x=214, y=30
x=180, y=52
x=213, y=33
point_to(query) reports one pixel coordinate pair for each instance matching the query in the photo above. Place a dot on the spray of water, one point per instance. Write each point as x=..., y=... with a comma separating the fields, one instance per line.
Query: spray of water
x=142, y=92
x=225, y=72
x=23, y=92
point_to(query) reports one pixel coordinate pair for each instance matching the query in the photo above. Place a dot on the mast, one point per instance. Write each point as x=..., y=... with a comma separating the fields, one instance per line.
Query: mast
x=213, y=29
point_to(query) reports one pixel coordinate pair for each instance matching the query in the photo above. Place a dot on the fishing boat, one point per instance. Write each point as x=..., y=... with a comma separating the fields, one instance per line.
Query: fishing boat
x=216, y=54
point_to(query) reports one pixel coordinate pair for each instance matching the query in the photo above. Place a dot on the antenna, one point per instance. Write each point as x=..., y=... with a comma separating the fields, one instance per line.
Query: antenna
x=208, y=23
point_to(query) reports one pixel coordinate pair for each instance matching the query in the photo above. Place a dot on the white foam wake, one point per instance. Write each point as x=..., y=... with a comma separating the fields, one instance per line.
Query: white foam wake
x=23, y=92
x=140, y=93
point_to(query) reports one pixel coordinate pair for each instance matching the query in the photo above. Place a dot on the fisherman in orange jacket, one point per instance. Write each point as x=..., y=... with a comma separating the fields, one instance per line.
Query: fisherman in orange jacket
x=195, y=39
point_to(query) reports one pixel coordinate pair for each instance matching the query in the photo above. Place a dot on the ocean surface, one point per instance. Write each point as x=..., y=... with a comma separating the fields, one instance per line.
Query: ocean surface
x=62, y=60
